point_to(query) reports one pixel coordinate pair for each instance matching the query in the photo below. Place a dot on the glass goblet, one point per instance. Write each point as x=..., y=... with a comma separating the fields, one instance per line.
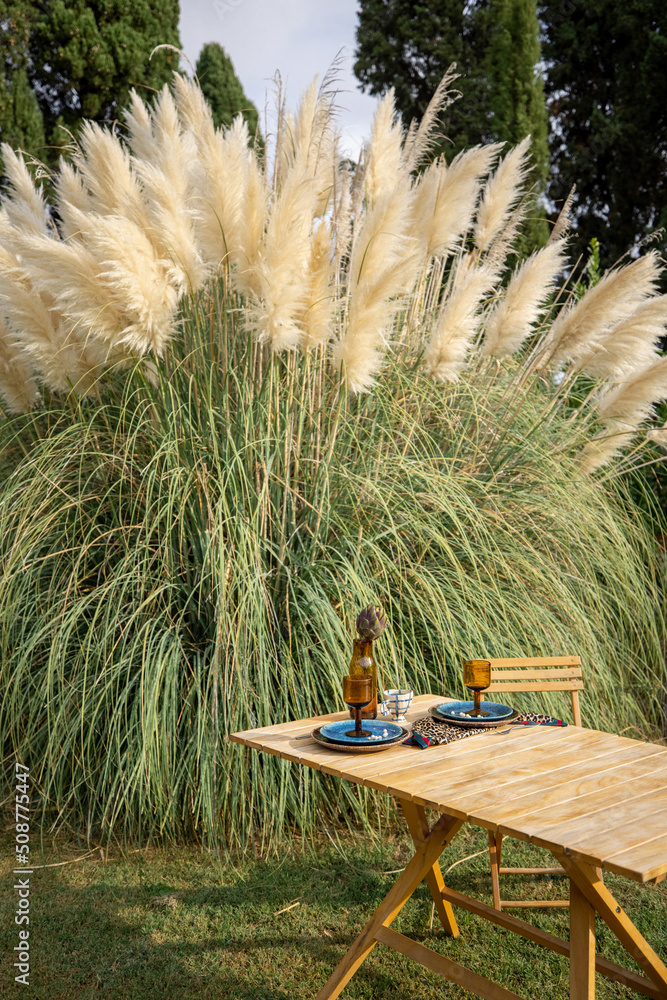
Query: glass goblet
x=477, y=677
x=357, y=693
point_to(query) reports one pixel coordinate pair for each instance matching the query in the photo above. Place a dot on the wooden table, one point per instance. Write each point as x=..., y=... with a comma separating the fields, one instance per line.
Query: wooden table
x=596, y=801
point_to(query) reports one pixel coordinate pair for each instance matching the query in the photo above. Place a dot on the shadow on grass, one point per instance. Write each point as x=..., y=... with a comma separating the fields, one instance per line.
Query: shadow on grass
x=117, y=943
x=161, y=936
x=181, y=924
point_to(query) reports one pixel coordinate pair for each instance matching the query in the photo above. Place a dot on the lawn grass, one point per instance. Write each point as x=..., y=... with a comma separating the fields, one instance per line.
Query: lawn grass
x=143, y=924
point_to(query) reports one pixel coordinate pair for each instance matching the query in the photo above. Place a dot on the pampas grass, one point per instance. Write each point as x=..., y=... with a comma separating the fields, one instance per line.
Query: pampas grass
x=264, y=389
x=185, y=560
x=105, y=182
x=458, y=322
x=513, y=320
x=501, y=194
x=17, y=383
x=163, y=165
x=281, y=272
x=219, y=174
x=421, y=136
x=581, y=326
x=383, y=266
x=446, y=198
x=622, y=408
x=25, y=208
x=385, y=158
x=631, y=344
x=367, y=263
x=49, y=346
x=316, y=319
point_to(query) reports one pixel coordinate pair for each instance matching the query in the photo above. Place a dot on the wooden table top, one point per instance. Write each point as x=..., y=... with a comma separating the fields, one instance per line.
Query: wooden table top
x=601, y=798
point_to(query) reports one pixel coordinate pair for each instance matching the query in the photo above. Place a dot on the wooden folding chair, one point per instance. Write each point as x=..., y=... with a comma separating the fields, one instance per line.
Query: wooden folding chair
x=543, y=673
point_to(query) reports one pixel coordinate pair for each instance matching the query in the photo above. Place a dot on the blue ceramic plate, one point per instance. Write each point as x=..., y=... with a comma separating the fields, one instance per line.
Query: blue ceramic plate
x=336, y=731
x=457, y=711
x=361, y=746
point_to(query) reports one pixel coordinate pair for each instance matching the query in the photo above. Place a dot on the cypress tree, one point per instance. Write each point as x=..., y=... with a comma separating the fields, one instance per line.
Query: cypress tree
x=516, y=97
x=82, y=57
x=21, y=122
x=607, y=95
x=409, y=46
x=222, y=88
x=495, y=44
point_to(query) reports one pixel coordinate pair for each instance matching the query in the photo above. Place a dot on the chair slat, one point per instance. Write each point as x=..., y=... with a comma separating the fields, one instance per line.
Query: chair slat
x=575, y=684
x=548, y=673
x=536, y=661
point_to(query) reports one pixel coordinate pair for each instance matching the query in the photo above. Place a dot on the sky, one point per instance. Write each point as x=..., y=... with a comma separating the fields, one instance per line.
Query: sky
x=300, y=38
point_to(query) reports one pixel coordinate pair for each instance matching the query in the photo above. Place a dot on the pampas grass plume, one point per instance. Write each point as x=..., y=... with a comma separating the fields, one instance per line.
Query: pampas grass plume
x=164, y=171
x=106, y=174
x=140, y=132
x=26, y=207
x=316, y=319
x=384, y=264
x=501, y=194
x=629, y=345
x=72, y=193
x=446, y=198
x=172, y=226
x=193, y=110
x=622, y=409
x=309, y=144
x=220, y=179
x=137, y=283
x=282, y=267
x=17, y=383
x=458, y=321
x=579, y=329
x=46, y=337
x=251, y=230
x=68, y=275
x=633, y=400
x=386, y=166
x=421, y=138
x=513, y=319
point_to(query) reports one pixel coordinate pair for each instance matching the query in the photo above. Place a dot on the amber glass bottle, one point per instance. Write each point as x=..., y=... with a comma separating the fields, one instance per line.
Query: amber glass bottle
x=363, y=664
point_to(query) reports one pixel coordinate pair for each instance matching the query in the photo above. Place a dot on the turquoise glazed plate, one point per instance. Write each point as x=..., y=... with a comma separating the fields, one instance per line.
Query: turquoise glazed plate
x=337, y=731
x=471, y=723
x=457, y=711
x=359, y=746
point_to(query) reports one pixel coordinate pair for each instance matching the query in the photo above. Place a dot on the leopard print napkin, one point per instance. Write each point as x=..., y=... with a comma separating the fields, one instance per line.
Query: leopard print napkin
x=428, y=732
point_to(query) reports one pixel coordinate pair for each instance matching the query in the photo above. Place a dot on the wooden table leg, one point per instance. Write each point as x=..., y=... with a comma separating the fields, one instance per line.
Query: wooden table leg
x=591, y=886
x=495, y=852
x=415, y=817
x=582, y=946
x=421, y=863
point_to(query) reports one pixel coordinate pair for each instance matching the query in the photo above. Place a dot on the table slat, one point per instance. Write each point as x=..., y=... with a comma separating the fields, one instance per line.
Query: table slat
x=584, y=806
x=610, y=776
x=524, y=769
x=412, y=762
x=641, y=858
x=607, y=832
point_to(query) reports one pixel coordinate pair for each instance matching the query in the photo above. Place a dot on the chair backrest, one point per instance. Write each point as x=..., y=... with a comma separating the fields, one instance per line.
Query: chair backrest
x=541, y=673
